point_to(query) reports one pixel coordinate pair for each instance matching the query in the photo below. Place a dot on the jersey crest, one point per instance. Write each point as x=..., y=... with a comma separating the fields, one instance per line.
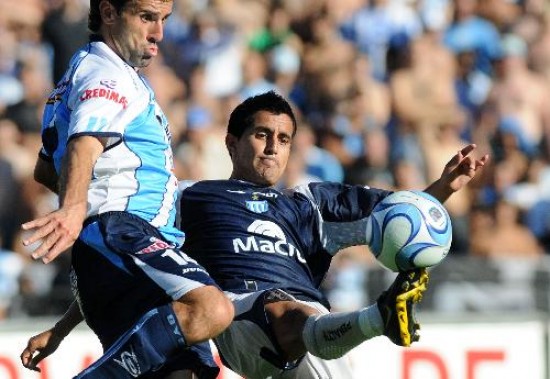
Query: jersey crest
x=257, y=206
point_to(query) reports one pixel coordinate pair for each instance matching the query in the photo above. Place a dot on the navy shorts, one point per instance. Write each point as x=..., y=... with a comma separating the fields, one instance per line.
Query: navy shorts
x=122, y=268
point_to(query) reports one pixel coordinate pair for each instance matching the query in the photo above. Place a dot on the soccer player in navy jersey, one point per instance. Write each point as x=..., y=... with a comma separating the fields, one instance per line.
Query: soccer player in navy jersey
x=270, y=250
x=106, y=152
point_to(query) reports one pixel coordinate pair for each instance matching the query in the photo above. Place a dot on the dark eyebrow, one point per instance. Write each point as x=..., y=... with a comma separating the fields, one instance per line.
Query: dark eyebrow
x=260, y=128
x=152, y=12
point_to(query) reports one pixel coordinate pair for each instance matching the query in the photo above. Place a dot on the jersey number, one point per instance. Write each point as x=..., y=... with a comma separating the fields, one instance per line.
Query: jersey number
x=179, y=257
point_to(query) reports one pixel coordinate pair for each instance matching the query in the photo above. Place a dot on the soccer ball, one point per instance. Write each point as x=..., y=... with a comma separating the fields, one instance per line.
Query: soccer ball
x=408, y=230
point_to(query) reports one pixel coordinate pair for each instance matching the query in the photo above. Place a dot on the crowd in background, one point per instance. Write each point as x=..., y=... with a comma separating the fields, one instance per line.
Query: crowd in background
x=386, y=91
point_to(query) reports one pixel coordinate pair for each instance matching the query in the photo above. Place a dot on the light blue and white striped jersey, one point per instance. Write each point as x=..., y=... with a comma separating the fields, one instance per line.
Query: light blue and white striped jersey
x=100, y=95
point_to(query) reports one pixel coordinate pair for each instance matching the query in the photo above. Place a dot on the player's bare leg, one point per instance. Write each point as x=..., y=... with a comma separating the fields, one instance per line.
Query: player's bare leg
x=164, y=333
x=287, y=320
x=203, y=313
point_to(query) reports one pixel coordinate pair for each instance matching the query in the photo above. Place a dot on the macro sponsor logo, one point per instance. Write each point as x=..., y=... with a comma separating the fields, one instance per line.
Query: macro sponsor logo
x=129, y=362
x=275, y=244
x=107, y=94
x=331, y=335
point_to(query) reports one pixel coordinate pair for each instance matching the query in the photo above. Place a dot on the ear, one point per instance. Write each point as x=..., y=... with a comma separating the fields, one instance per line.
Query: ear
x=230, y=144
x=108, y=12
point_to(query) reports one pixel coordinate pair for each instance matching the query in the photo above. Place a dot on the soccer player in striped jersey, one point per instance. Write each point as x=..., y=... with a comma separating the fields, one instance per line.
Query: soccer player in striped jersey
x=106, y=152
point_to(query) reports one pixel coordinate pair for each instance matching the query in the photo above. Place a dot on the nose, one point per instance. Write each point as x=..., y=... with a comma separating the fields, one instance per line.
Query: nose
x=271, y=146
x=157, y=31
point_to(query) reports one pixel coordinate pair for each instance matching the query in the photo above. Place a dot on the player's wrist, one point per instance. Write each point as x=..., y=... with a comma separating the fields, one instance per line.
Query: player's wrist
x=63, y=327
x=59, y=331
x=441, y=189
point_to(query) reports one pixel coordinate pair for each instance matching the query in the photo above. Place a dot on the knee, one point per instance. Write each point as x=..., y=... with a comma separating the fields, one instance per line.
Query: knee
x=218, y=311
x=287, y=321
x=203, y=314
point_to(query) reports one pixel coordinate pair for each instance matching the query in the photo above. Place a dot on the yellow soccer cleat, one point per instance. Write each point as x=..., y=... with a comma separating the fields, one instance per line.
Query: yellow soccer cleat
x=397, y=306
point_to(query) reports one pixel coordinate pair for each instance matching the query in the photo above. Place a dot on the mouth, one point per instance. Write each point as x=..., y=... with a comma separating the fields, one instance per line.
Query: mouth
x=269, y=162
x=153, y=51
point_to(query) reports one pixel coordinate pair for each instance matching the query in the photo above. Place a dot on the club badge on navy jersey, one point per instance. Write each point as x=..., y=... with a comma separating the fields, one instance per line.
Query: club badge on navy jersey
x=257, y=206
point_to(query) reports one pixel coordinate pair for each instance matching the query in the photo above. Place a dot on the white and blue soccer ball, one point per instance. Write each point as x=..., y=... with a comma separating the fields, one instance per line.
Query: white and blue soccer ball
x=408, y=230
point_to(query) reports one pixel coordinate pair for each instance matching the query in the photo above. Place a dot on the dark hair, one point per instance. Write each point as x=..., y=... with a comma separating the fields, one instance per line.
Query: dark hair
x=94, y=17
x=242, y=116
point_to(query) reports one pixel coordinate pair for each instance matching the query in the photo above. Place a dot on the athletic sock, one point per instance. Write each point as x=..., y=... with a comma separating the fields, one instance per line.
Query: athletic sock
x=330, y=336
x=145, y=348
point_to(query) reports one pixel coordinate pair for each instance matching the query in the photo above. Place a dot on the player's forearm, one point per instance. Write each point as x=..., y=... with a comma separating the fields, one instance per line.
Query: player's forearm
x=69, y=321
x=77, y=169
x=440, y=190
x=45, y=174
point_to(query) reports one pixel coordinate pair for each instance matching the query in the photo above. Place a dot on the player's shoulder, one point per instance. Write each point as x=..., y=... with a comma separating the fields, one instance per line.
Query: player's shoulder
x=336, y=194
x=105, y=59
x=185, y=184
x=227, y=188
x=330, y=188
x=313, y=189
x=203, y=185
x=97, y=63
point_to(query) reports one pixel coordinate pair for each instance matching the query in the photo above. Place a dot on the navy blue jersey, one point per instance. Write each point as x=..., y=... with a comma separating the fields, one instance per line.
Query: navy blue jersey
x=252, y=238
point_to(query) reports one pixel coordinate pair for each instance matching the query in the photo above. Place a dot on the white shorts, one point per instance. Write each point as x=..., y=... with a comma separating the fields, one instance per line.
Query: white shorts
x=242, y=345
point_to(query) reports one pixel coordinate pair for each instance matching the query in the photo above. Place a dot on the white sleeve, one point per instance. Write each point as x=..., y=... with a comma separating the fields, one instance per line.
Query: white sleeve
x=99, y=100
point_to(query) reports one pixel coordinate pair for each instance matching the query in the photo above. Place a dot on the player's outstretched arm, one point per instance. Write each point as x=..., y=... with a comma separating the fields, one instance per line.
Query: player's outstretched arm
x=44, y=344
x=458, y=172
x=58, y=230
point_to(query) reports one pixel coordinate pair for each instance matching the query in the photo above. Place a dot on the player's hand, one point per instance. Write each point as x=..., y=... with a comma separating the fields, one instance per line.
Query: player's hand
x=57, y=231
x=39, y=347
x=462, y=168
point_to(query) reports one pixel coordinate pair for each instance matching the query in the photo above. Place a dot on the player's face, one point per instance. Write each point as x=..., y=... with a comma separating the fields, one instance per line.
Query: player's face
x=261, y=154
x=135, y=32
